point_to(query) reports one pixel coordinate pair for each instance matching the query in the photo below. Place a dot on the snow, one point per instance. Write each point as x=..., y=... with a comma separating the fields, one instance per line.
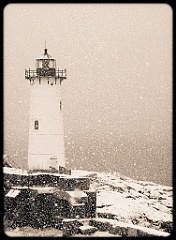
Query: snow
x=14, y=171
x=127, y=198
x=12, y=193
x=126, y=202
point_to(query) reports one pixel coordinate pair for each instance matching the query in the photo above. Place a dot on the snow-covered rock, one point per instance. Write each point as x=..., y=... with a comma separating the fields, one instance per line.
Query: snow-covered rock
x=125, y=207
x=138, y=202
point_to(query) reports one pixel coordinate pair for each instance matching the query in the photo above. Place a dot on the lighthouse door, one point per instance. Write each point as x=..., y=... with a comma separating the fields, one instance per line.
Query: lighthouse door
x=53, y=162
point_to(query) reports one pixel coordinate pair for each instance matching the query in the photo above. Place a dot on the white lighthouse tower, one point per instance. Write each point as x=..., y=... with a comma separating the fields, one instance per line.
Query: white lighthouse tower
x=46, y=134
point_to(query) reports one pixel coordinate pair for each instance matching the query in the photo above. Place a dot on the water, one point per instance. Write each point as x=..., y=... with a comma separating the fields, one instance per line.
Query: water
x=139, y=159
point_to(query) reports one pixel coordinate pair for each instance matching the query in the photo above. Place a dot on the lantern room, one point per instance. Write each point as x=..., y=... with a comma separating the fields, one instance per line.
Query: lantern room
x=45, y=61
x=45, y=67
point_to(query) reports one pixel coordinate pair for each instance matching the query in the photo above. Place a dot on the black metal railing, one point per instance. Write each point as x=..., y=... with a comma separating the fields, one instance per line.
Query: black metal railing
x=41, y=72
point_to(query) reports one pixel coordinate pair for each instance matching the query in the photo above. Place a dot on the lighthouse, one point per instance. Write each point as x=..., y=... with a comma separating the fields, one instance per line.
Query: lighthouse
x=46, y=132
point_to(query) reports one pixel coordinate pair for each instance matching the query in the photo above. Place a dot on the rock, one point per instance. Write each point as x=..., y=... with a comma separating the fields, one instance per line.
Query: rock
x=90, y=205
x=77, y=211
x=152, y=196
x=100, y=224
x=71, y=183
x=57, y=222
x=106, y=215
x=119, y=228
x=130, y=196
x=71, y=227
x=139, y=231
x=138, y=219
x=116, y=200
x=167, y=226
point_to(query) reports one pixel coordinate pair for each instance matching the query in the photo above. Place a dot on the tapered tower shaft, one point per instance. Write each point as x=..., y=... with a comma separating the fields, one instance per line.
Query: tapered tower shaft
x=46, y=133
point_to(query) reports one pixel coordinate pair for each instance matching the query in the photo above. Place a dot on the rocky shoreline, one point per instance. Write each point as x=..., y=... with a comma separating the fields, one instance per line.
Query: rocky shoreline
x=122, y=200
x=138, y=202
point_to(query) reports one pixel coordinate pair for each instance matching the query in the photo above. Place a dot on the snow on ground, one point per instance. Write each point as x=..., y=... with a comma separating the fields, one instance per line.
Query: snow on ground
x=124, y=199
x=129, y=200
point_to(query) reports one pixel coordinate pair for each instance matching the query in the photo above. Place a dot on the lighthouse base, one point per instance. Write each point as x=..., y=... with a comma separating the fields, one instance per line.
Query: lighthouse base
x=50, y=197
x=46, y=162
x=61, y=170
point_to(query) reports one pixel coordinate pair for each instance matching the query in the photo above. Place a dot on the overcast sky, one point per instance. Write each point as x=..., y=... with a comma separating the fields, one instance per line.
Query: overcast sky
x=119, y=65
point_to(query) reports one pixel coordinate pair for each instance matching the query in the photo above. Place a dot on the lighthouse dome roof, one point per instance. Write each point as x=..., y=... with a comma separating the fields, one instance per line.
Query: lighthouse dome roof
x=45, y=56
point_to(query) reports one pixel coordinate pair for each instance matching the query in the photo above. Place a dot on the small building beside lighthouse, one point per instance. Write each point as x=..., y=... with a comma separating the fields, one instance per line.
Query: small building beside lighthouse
x=46, y=132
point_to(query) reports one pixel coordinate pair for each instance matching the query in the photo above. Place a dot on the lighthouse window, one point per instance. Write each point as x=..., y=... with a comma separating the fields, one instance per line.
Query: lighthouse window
x=36, y=125
x=60, y=105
